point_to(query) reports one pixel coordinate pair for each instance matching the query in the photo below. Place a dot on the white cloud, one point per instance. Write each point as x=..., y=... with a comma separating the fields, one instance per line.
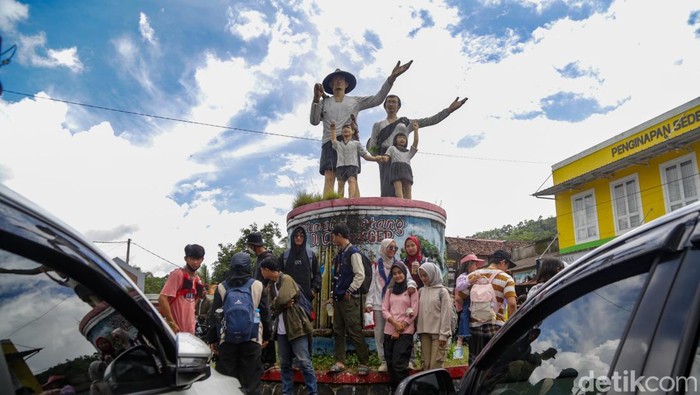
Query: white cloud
x=284, y=46
x=131, y=62
x=65, y=57
x=147, y=32
x=113, y=184
x=11, y=12
x=100, y=182
x=247, y=24
x=217, y=101
x=32, y=48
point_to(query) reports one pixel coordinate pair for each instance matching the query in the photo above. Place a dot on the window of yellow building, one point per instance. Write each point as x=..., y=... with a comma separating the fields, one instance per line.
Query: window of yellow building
x=627, y=204
x=680, y=181
x=585, y=216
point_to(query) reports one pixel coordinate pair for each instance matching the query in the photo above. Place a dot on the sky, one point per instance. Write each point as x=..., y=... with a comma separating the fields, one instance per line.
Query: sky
x=176, y=122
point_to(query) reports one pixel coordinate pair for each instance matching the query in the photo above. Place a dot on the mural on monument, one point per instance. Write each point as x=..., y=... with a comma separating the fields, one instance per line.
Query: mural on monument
x=367, y=230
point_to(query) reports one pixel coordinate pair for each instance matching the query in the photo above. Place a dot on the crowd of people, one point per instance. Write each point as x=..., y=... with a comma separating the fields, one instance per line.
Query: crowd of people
x=410, y=307
x=262, y=312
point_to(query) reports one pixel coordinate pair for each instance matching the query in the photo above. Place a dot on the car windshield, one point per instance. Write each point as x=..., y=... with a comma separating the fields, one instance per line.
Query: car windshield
x=53, y=327
x=568, y=347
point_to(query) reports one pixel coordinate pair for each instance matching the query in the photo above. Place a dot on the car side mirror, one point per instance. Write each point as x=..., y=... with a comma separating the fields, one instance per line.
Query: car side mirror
x=137, y=369
x=432, y=382
x=193, y=357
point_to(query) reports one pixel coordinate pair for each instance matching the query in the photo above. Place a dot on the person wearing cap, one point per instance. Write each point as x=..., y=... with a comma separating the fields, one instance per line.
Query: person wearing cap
x=181, y=290
x=384, y=132
x=256, y=246
x=55, y=382
x=504, y=287
x=468, y=264
x=338, y=107
x=243, y=360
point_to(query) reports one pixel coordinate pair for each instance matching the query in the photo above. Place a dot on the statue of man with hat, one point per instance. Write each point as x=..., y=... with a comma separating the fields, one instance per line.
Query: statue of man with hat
x=338, y=108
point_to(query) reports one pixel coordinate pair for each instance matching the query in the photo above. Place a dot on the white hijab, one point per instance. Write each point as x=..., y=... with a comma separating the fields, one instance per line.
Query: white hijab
x=433, y=272
x=382, y=253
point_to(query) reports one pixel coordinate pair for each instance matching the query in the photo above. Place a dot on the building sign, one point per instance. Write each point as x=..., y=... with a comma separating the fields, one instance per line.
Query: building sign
x=655, y=135
x=658, y=133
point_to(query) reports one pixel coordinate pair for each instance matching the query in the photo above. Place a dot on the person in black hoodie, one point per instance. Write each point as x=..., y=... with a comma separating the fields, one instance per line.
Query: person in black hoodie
x=256, y=246
x=301, y=263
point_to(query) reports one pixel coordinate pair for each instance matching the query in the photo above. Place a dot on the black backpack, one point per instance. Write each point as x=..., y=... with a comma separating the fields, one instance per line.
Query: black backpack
x=366, y=264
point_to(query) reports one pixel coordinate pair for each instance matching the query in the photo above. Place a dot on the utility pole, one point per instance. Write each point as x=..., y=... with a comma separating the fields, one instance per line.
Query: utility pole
x=128, y=247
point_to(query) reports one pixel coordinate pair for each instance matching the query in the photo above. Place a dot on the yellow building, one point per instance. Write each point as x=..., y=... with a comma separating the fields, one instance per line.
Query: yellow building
x=627, y=180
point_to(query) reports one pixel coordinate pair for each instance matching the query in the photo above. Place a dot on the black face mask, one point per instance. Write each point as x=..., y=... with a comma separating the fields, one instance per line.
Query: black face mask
x=190, y=268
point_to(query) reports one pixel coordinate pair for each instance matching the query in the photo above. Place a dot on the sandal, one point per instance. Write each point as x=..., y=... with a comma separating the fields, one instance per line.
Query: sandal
x=336, y=369
x=362, y=370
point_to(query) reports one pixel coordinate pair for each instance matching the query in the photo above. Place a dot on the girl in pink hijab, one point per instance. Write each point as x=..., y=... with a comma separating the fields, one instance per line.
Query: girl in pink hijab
x=381, y=282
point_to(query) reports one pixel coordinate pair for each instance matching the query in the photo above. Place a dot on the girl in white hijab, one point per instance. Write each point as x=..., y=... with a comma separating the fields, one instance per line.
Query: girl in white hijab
x=435, y=318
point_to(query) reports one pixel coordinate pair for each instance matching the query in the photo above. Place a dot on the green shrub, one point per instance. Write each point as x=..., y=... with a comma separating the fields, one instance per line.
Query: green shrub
x=304, y=197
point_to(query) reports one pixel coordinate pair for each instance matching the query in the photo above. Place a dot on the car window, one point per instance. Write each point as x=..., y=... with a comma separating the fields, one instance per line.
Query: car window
x=574, y=343
x=54, y=328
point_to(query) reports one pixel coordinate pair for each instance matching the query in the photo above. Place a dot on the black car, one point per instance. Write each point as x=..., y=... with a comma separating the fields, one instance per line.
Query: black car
x=622, y=319
x=72, y=321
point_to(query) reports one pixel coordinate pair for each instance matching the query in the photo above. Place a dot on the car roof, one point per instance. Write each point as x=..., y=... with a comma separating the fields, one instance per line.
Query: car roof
x=672, y=231
x=657, y=234
x=39, y=215
x=31, y=228
x=635, y=233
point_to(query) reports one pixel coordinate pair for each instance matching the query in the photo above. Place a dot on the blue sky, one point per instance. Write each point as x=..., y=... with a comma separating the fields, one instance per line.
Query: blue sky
x=545, y=80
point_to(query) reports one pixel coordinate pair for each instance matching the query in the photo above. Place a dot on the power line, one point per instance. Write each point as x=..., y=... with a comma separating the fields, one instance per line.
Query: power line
x=198, y=123
x=106, y=251
x=153, y=253
x=140, y=114
x=481, y=158
x=141, y=247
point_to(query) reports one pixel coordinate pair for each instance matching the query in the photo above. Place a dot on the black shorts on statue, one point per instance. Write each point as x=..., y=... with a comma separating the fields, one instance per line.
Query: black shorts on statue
x=399, y=171
x=329, y=158
x=343, y=173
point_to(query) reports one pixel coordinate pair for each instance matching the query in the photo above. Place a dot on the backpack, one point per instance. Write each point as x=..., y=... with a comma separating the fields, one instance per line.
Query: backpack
x=366, y=264
x=189, y=288
x=484, y=304
x=454, y=318
x=238, y=322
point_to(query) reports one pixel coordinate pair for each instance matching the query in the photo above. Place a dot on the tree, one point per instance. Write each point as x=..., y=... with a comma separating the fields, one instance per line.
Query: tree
x=204, y=273
x=221, y=266
x=527, y=230
x=270, y=233
x=153, y=284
